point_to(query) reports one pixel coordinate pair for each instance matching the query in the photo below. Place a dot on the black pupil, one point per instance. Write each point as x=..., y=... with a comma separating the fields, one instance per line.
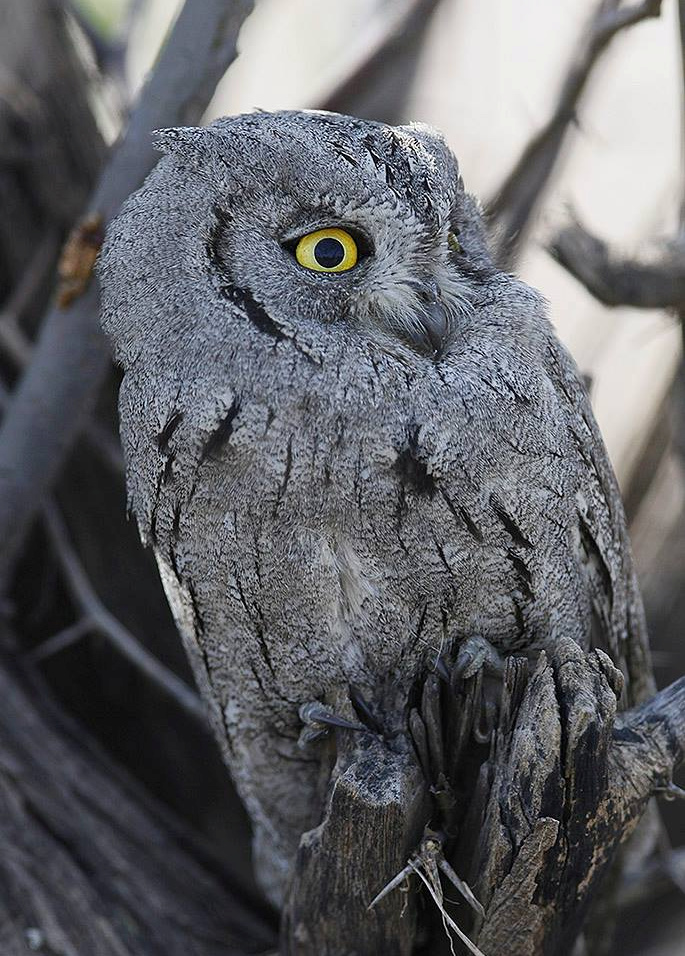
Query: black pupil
x=329, y=253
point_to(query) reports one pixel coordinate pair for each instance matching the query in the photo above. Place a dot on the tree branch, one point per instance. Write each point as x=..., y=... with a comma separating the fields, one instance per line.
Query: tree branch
x=89, y=863
x=656, y=283
x=520, y=193
x=529, y=811
x=50, y=406
x=96, y=617
x=378, y=79
x=571, y=780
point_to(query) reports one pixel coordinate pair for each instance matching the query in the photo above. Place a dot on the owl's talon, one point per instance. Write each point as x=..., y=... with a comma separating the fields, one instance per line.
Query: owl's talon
x=363, y=710
x=475, y=654
x=442, y=669
x=318, y=720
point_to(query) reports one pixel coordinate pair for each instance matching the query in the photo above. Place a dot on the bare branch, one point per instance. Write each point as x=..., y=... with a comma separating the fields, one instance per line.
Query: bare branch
x=387, y=44
x=90, y=863
x=51, y=404
x=58, y=642
x=522, y=189
x=656, y=283
x=16, y=347
x=572, y=779
x=98, y=618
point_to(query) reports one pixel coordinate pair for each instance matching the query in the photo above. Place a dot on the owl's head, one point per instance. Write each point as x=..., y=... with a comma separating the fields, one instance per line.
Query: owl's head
x=310, y=217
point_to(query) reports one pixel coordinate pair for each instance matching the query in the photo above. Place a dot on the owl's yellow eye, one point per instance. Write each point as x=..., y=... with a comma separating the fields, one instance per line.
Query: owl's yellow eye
x=327, y=250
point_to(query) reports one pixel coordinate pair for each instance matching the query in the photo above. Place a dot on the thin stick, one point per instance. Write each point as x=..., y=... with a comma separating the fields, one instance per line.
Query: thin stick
x=657, y=283
x=58, y=642
x=103, y=621
x=391, y=32
x=520, y=193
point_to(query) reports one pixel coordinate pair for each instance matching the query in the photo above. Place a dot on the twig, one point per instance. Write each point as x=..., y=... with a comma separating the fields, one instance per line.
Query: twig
x=521, y=191
x=18, y=348
x=100, y=619
x=384, y=41
x=58, y=642
x=656, y=284
x=71, y=358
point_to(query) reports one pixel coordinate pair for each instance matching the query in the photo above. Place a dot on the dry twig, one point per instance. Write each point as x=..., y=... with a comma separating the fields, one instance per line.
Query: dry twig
x=655, y=283
x=370, y=86
x=96, y=617
x=522, y=189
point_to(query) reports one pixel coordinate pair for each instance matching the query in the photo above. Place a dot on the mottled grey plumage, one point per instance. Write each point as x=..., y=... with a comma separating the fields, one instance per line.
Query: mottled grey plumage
x=342, y=475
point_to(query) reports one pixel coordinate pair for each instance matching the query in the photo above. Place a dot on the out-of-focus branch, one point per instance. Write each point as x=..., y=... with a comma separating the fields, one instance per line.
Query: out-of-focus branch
x=520, y=193
x=655, y=283
x=71, y=358
x=18, y=349
x=370, y=86
x=96, y=617
x=89, y=863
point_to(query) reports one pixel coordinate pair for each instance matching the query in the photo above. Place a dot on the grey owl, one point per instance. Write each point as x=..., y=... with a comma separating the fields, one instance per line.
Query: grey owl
x=351, y=440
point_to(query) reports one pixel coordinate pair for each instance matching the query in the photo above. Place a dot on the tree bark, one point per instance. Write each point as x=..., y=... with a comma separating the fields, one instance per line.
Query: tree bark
x=535, y=826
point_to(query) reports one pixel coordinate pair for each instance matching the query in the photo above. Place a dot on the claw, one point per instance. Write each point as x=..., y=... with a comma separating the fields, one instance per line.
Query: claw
x=318, y=719
x=475, y=654
x=363, y=710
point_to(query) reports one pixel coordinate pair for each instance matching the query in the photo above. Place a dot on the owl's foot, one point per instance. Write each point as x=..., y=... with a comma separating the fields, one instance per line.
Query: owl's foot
x=475, y=654
x=318, y=720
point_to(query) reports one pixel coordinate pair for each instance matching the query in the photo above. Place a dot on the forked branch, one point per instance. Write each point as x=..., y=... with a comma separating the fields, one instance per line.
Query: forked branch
x=520, y=193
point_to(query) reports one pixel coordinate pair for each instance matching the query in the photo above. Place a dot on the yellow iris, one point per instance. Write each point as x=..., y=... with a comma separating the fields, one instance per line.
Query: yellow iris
x=327, y=250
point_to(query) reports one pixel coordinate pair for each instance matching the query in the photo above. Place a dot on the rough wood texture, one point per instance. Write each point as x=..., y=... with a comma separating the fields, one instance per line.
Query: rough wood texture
x=375, y=814
x=89, y=866
x=536, y=829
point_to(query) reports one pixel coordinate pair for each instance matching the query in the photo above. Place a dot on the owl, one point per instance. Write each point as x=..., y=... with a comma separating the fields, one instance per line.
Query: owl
x=353, y=443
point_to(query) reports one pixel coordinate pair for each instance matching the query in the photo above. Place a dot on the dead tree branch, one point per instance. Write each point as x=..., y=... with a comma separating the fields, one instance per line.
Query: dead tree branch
x=376, y=810
x=378, y=79
x=571, y=779
x=564, y=782
x=89, y=863
x=519, y=195
x=96, y=617
x=17, y=348
x=655, y=283
x=71, y=358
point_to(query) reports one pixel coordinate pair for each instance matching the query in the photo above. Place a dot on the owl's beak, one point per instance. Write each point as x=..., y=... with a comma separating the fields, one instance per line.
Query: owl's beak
x=433, y=320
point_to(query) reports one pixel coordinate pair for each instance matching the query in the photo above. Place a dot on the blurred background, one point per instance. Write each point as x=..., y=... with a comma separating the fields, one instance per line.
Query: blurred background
x=490, y=75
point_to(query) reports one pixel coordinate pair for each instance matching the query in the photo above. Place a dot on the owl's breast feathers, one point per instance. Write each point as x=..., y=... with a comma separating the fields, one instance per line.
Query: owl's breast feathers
x=350, y=516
